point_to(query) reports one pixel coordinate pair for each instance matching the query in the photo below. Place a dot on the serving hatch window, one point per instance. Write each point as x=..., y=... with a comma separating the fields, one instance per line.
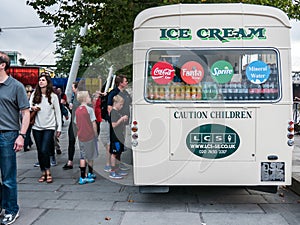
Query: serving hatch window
x=233, y=75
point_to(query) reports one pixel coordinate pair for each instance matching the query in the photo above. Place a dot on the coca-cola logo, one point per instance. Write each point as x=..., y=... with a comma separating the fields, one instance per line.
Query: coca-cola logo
x=162, y=72
x=192, y=72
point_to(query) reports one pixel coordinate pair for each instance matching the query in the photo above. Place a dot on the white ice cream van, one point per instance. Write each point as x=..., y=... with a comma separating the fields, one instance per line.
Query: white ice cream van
x=212, y=96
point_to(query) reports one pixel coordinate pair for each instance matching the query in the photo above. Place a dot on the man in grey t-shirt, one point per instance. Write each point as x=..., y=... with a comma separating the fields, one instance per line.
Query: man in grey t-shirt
x=13, y=100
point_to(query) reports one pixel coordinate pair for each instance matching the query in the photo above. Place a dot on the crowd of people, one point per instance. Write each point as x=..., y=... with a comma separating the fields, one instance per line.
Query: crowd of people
x=40, y=111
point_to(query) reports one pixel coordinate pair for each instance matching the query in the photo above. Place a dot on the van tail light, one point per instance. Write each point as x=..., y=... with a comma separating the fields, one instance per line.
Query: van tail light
x=290, y=134
x=134, y=134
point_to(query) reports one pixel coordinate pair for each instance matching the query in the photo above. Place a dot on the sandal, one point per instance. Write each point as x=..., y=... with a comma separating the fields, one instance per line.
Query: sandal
x=43, y=178
x=49, y=178
x=67, y=167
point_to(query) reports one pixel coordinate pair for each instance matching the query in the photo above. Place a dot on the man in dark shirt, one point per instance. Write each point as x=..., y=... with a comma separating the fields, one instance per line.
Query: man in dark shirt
x=120, y=89
x=13, y=100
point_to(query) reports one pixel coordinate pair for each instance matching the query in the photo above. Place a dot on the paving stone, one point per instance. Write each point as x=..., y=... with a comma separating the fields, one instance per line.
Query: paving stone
x=79, y=217
x=223, y=208
x=28, y=216
x=243, y=218
x=162, y=218
x=149, y=207
x=100, y=196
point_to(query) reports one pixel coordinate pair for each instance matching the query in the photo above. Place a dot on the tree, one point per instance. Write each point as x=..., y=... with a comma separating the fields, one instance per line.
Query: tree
x=111, y=22
x=66, y=41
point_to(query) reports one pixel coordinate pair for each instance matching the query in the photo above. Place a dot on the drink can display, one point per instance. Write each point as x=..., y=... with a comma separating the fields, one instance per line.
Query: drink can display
x=150, y=92
x=162, y=92
x=156, y=93
x=172, y=92
x=182, y=92
x=245, y=91
x=177, y=92
x=194, y=93
x=187, y=92
x=199, y=92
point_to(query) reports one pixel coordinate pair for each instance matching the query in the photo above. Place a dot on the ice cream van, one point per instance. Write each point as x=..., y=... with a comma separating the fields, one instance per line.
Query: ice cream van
x=212, y=96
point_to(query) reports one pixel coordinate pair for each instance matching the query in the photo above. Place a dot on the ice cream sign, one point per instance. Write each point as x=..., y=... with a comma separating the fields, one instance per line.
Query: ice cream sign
x=221, y=34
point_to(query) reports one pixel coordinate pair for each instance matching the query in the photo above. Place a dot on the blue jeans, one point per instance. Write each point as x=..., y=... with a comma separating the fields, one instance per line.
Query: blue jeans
x=8, y=166
x=44, y=140
x=28, y=141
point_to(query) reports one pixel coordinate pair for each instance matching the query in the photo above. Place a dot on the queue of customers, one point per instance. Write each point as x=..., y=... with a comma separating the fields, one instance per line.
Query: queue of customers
x=87, y=123
x=109, y=126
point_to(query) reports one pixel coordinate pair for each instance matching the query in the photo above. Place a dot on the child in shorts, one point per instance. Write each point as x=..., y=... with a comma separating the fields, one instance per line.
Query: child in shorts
x=117, y=137
x=85, y=121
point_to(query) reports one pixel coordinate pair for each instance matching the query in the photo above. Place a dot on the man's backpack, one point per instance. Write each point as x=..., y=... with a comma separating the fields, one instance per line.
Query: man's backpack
x=104, y=100
x=104, y=112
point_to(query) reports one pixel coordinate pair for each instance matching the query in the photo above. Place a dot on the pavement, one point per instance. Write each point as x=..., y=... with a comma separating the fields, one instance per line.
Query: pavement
x=107, y=202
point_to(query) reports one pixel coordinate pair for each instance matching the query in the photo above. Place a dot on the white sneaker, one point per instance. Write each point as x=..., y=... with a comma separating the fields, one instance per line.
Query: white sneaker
x=123, y=167
x=9, y=218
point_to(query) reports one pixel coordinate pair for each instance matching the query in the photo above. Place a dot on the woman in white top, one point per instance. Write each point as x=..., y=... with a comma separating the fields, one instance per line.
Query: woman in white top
x=47, y=120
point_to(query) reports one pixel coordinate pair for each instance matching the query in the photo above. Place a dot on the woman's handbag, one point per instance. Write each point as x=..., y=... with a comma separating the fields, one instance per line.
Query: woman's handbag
x=32, y=117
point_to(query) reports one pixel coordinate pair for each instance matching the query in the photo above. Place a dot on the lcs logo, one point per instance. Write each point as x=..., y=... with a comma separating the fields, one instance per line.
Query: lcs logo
x=175, y=34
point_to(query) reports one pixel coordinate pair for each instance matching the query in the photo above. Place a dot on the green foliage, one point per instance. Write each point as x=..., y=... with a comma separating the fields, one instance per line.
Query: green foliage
x=111, y=23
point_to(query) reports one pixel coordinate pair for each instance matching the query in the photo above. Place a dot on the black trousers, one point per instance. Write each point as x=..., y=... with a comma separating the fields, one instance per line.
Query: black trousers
x=72, y=134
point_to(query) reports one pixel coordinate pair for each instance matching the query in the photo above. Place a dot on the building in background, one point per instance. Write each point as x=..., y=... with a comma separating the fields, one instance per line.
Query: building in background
x=14, y=57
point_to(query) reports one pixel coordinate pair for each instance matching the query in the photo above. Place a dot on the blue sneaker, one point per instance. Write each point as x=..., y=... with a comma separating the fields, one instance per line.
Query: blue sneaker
x=85, y=180
x=91, y=175
x=122, y=173
x=107, y=168
x=53, y=161
x=37, y=164
x=114, y=175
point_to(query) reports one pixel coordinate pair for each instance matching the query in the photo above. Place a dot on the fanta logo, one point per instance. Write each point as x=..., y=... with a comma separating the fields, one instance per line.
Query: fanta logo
x=192, y=72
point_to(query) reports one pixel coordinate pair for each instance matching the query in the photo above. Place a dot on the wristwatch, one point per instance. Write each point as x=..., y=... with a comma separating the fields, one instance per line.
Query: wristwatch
x=23, y=135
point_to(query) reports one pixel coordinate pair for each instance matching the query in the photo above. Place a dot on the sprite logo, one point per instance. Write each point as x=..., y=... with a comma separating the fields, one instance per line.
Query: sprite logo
x=221, y=71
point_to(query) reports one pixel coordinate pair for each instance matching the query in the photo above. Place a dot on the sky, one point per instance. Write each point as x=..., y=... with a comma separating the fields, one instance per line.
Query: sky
x=37, y=47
